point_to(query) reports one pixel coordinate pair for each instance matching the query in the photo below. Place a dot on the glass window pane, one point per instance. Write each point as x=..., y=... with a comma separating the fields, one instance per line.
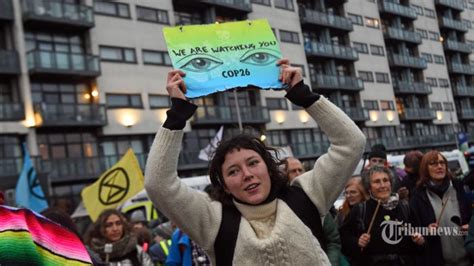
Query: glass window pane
x=129, y=55
x=136, y=100
x=111, y=53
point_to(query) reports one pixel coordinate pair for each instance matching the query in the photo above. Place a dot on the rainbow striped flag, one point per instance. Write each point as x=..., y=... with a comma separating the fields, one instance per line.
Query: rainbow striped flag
x=27, y=238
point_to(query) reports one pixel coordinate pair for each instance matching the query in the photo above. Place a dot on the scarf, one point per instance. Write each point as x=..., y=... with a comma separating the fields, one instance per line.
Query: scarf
x=391, y=203
x=120, y=248
x=438, y=189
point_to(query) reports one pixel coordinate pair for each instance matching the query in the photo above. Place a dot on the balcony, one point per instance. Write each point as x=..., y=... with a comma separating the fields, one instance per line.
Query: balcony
x=71, y=114
x=189, y=160
x=9, y=62
x=457, y=46
x=10, y=167
x=55, y=14
x=336, y=82
x=459, y=90
x=12, y=112
x=402, y=35
x=61, y=63
x=410, y=142
x=397, y=9
x=228, y=115
x=330, y=51
x=455, y=4
x=309, y=149
x=356, y=113
x=240, y=6
x=6, y=10
x=465, y=113
x=406, y=61
x=452, y=24
x=461, y=68
x=403, y=87
x=317, y=18
x=417, y=114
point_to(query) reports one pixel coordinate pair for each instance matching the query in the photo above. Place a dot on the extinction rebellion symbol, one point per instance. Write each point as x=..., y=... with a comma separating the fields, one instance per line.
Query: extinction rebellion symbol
x=114, y=186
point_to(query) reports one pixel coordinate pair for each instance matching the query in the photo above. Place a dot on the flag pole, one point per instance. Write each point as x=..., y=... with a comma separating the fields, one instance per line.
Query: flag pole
x=239, y=119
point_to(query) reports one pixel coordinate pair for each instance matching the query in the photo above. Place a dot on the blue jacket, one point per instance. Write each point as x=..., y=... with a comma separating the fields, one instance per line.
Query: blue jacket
x=176, y=257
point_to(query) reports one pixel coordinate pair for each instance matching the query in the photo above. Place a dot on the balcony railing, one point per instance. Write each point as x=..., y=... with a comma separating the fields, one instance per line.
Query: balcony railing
x=242, y=5
x=417, y=114
x=12, y=112
x=403, y=35
x=464, y=113
x=227, y=114
x=336, y=82
x=406, y=142
x=10, y=166
x=324, y=19
x=397, y=9
x=406, y=61
x=9, y=62
x=456, y=4
x=457, y=46
x=459, y=90
x=411, y=87
x=331, y=51
x=75, y=64
x=189, y=160
x=461, y=68
x=309, y=149
x=58, y=12
x=356, y=113
x=6, y=10
x=452, y=24
x=71, y=114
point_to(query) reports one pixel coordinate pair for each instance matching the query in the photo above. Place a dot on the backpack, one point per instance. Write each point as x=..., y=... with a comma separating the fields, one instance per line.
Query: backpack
x=293, y=196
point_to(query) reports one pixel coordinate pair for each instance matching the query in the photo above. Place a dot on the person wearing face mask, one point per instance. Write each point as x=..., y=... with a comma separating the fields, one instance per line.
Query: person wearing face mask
x=251, y=199
x=364, y=233
x=440, y=202
x=112, y=228
x=354, y=193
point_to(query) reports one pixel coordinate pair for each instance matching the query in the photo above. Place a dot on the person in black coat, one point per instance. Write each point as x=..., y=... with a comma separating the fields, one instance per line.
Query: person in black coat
x=379, y=245
x=437, y=188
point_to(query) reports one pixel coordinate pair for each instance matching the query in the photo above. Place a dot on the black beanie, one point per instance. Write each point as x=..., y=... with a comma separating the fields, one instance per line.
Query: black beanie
x=377, y=154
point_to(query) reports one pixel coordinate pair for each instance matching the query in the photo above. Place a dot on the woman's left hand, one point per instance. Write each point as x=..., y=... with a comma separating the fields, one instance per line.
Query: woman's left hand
x=288, y=74
x=465, y=227
x=418, y=239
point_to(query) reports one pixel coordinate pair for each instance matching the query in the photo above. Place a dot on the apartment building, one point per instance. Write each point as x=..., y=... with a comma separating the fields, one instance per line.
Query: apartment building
x=81, y=81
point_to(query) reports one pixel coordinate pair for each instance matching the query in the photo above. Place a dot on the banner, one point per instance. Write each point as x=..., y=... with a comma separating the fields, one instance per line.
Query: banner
x=206, y=153
x=218, y=57
x=114, y=187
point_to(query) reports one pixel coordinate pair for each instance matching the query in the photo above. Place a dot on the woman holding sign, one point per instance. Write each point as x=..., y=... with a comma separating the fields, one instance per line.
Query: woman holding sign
x=254, y=217
x=440, y=204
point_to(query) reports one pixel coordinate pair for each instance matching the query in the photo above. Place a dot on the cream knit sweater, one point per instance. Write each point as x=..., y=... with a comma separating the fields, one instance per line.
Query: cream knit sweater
x=269, y=234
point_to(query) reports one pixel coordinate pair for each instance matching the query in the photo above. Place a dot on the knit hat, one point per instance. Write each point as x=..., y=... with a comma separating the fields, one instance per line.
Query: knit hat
x=377, y=154
x=138, y=216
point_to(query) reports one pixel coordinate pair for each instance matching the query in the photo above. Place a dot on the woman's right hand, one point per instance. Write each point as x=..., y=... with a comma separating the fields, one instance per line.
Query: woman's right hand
x=364, y=240
x=175, y=84
x=432, y=227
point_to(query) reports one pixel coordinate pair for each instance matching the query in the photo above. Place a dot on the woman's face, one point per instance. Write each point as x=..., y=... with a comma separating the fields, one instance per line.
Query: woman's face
x=437, y=169
x=113, y=228
x=353, y=195
x=380, y=186
x=246, y=176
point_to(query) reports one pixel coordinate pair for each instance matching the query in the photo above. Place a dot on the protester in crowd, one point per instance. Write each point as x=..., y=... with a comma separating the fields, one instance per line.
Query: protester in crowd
x=354, y=193
x=138, y=219
x=159, y=251
x=439, y=201
x=332, y=242
x=185, y=252
x=364, y=234
x=469, y=242
x=248, y=184
x=112, y=228
x=378, y=156
x=412, y=162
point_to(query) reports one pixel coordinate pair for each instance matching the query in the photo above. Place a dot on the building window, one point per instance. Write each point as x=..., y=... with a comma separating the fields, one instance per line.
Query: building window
x=262, y=2
x=438, y=59
x=302, y=68
x=289, y=36
x=361, y=48
x=110, y=8
x=156, y=58
x=295, y=107
x=124, y=101
x=387, y=105
x=467, y=23
x=443, y=83
x=436, y=106
x=430, y=13
x=159, y=101
x=434, y=36
x=427, y=57
x=423, y=33
x=382, y=77
x=184, y=18
x=152, y=15
x=276, y=104
x=377, y=50
x=67, y=145
x=284, y=4
x=356, y=19
x=117, y=54
x=448, y=106
x=372, y=22
x=432, y=82
x=366, y=76
x=371, y=105
x=418, y=9
x=60, y=93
